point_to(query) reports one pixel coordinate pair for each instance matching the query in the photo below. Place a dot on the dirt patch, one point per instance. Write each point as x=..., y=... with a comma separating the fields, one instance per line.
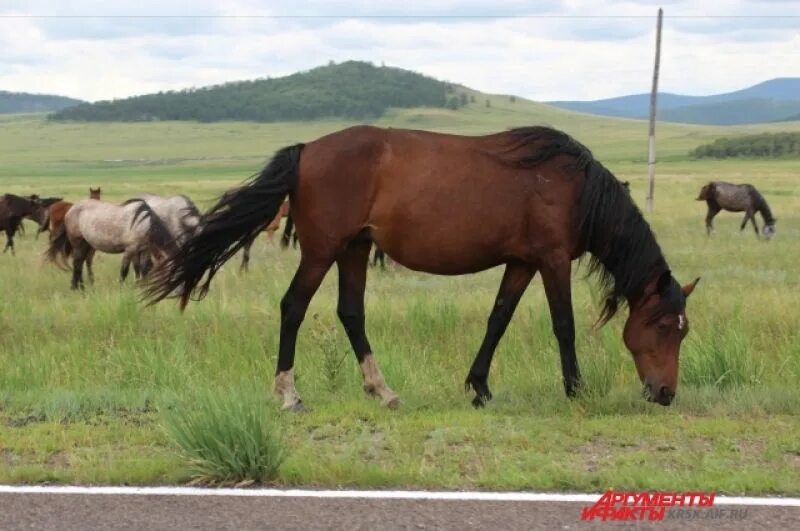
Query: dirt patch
x=24, y=420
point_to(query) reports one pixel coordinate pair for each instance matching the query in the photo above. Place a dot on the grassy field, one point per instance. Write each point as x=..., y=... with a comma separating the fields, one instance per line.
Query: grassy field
x=89, y=382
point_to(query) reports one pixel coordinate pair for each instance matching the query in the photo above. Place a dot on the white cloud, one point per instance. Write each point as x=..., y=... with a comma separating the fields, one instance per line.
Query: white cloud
x=579, y=50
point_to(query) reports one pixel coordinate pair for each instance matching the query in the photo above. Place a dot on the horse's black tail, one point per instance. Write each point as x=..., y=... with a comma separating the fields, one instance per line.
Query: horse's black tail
x=287, y=231
x=236, y=218
x=60, y=249
x=159, y=240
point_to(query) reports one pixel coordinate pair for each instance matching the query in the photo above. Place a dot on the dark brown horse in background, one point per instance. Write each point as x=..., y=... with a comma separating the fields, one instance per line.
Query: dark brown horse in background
x=58, y=211
x=13, y=209
x=41, y=216
x=720, y=195
x=532, y=199
x=270, y=230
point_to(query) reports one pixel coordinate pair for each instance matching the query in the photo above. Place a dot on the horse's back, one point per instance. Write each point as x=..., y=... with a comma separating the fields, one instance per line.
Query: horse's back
x=732, y=197
x=470, y=189
x=105, y=226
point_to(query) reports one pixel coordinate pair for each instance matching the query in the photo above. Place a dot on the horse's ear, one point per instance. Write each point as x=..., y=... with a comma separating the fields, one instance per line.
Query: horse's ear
x=664, y=281
x=689, y=288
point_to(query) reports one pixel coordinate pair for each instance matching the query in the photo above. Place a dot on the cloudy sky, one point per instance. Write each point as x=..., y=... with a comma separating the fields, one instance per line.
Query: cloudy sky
x=544, y=50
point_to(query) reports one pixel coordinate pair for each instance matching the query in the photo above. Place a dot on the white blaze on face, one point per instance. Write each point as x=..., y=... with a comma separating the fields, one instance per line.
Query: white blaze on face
x=681, y=321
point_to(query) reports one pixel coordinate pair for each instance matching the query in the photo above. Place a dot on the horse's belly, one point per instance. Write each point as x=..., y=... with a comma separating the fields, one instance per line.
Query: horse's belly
x=104, y=238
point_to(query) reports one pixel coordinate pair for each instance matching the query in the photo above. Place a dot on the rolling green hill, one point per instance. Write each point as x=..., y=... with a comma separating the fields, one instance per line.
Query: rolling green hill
x=352, y=90
x=23, y=102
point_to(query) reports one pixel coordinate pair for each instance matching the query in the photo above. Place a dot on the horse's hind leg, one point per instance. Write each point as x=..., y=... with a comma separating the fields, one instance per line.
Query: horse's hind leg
x=352, y=265
x=246, y=255
x=79, y=256
x=10, y=231
x=515, y=279
x=294, y=304
x=127, y=257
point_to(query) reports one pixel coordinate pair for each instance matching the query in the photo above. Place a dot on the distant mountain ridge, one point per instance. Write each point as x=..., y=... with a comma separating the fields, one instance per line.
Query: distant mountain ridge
x=22, y=102
x=772, y=100
x=351, y=90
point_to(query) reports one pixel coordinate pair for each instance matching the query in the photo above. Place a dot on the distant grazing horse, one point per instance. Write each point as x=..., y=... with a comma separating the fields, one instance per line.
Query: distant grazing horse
x=59, y=209
x=532, y=199
x=745, y=198
x=12, y=209
x=91, y=225
x=41, y=215
x=180, y=216
x=270, y=229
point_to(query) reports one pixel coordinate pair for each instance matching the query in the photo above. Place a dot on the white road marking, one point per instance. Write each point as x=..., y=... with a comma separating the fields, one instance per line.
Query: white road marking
x=362, y=494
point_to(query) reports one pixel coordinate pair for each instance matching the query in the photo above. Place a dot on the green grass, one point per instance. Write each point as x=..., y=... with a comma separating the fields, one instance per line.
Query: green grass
x=90, y=383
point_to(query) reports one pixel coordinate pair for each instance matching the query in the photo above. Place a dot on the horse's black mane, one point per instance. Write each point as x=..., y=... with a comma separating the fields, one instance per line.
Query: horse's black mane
x=624, y=253
x=760, y=205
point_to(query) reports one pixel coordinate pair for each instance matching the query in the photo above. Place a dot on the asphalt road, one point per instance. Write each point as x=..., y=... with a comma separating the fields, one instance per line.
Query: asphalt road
x=155, y=512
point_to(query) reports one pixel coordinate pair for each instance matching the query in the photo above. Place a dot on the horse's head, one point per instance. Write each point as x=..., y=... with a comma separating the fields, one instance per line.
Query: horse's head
x=653, y=333
x=769, y=230
x=94, y=193
x=705, y=193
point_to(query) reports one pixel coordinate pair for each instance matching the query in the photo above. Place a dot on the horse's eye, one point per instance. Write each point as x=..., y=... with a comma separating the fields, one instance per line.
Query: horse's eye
x=662, y=327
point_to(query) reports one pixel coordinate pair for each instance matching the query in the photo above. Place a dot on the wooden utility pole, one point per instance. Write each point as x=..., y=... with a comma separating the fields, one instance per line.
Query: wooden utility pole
x=651, y=155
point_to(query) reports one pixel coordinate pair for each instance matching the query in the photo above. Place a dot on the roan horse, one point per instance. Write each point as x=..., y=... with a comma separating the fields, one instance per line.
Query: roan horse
x=181, y=218
x=91, y=225
x=532, y=198
x=12, y=209
x=745, y=198
x=59, y=209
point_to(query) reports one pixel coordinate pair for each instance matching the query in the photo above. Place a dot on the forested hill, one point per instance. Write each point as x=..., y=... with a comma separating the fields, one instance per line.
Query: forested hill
x=19, y=102
x=353, y=90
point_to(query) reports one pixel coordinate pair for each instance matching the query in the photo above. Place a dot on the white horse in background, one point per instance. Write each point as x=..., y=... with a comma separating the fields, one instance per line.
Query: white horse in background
x=181, y=218
x=92, y=225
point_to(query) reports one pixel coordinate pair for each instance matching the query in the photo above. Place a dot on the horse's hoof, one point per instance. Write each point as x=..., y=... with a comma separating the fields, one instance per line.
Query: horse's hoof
x=296, y=407
x=479, y=402
x=392, y=403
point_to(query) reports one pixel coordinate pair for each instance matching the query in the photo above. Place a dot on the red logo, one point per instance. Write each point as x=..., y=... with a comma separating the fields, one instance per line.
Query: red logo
x=643, y=506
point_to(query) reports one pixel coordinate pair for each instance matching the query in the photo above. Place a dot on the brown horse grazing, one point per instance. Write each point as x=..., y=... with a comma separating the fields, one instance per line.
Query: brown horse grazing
x=532, y=199
x=12, y=209
x=270, y=229
x=745, y=198
x=58, y=210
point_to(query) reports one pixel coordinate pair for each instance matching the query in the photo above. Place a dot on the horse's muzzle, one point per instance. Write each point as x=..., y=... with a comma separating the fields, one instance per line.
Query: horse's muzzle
x=664, y=396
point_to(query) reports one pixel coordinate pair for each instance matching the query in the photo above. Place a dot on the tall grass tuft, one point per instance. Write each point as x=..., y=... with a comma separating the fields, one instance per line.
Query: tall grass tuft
x=226, y=438
x=724, y=361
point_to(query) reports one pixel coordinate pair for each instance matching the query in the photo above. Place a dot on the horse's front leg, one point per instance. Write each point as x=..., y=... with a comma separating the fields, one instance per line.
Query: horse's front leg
x=713, y=210
x=515, y=279
x=755, y=226
x=556, y=279
x=89, y=262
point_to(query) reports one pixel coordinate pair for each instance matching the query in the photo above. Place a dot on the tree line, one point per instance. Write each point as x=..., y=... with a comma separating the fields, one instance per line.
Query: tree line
x=760, y=145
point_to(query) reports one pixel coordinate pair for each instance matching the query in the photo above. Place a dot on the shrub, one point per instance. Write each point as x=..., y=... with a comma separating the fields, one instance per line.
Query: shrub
x=227, y=438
